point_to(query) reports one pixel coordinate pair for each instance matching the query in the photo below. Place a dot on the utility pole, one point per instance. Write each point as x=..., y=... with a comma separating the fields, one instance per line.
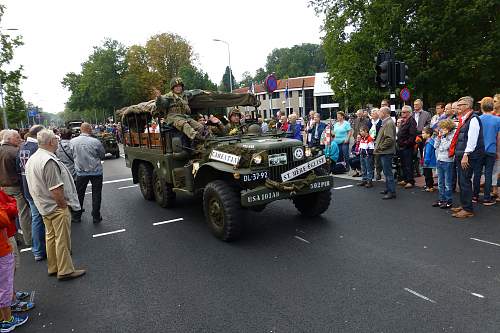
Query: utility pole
x=4, y=112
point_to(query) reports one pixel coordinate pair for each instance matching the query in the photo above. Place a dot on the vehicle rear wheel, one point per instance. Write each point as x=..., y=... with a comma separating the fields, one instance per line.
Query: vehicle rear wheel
x=313, y=204
x=164, y=195
x=145, y=175
x=223, y=211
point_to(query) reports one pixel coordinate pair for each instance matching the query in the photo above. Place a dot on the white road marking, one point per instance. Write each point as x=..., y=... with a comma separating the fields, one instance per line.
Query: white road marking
x=87, y=193
x=108, y=233
x=122, y=155
x=26, y=249
x=483, y=241
x=478, y=295
x=169, y=221
x=114, y=181
x=302, y=239
x=124, y=187
x=342, y=187
x=419, y=295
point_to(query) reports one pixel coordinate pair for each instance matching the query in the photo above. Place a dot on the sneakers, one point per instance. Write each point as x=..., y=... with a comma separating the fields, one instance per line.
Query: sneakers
x=402, y=183
x=475, y=199
x=437, y=204
x=409, y=185
x=369, y=184
x=378, y=177
x=97, y=219
x=430, y=189
x=76, y=274
x=15, y=321
x=389, y=196
x=445, y=205
x=463, y=214
x=456, y=209
x=490, y=202
x=362, y=183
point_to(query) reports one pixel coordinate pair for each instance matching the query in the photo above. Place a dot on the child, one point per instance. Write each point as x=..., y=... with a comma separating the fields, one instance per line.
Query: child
x=429, y=158
x=444, y=163
x=331, y=150
x=366, y=147
x=355, y=159
x=8, y=322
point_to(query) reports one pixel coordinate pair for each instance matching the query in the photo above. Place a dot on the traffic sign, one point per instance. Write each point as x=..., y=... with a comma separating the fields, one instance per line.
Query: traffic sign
x=405, y=94
x=271, y=83
x=32, y=112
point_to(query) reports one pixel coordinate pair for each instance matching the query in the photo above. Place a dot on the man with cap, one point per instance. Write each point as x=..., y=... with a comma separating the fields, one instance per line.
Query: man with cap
x=234, y=127
x=175, y=104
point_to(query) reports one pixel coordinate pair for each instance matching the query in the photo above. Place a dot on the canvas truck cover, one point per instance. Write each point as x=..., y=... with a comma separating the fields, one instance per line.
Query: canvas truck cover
x=198, y=100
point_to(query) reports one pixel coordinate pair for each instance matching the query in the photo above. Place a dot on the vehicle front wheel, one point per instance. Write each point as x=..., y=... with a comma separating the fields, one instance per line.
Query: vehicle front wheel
x=145, y=175
x=223, y=211
x=313, y=204
x=164, y=195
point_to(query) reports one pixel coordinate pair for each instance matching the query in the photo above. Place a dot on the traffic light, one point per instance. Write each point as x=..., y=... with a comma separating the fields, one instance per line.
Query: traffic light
x=401, y=73
x=384, y=70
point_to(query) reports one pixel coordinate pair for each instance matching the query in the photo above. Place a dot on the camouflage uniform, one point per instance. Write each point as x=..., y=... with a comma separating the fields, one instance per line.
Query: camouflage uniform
x=234, y=128
x=178, y=111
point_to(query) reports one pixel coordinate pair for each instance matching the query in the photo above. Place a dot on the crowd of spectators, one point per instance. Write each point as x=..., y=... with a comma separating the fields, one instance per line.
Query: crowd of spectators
x=43, y=179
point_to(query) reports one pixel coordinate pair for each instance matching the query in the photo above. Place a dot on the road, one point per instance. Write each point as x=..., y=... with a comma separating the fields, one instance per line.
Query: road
x=367, y=265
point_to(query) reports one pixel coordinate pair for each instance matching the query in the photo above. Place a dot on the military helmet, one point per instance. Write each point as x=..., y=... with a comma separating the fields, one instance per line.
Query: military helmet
x=254, y=129
x=234, y=111
x=176, y=81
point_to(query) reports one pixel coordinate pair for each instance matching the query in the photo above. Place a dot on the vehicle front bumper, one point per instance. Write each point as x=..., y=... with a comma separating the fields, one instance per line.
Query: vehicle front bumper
x=263, y=195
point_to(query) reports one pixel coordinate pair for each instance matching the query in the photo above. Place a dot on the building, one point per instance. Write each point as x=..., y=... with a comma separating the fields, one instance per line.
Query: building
x=305, y=93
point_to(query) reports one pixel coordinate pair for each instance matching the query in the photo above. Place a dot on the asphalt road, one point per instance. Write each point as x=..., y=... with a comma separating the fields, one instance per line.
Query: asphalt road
x=367, y=265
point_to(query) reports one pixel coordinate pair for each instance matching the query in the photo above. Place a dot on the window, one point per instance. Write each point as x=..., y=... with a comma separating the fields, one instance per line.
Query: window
x=290, y=94
x=300, y=93
x=263, y=97
x=289, y=111
x=276, y=95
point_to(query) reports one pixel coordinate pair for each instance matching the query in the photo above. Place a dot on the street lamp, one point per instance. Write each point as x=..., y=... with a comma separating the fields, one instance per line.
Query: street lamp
x=4, y=112
x=229, y=55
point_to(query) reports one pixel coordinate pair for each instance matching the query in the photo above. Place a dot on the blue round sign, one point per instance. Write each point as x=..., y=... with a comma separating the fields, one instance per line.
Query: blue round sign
x=405, y=94
x=271, y=83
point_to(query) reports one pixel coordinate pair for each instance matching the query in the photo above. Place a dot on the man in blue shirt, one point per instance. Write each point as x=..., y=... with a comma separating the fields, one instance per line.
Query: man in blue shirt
x=491, y=134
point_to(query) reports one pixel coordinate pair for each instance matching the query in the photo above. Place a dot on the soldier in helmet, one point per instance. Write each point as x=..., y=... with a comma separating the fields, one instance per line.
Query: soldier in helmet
x=234, y=127
x=175, y=104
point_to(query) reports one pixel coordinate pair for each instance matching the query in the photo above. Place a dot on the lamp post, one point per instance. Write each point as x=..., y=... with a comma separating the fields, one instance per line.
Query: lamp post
x=229, y=55
x=4, y=112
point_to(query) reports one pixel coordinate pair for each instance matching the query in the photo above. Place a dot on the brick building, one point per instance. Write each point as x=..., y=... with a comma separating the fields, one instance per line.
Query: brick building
x=305, y=93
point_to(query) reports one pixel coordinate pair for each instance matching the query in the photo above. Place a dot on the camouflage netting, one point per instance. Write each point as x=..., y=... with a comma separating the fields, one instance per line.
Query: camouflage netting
x=144, y=107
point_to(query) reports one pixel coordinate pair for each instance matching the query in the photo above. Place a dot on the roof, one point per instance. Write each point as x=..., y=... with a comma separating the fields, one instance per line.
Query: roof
x=293, y=83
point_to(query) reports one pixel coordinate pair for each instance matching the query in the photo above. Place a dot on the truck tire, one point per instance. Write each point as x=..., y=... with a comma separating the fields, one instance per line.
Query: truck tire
x=164, y=195
x=145, y=175
x=223, y=211
x=313, y=204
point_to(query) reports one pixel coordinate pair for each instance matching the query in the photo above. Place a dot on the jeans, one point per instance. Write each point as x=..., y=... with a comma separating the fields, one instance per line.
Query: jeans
x=465, y=181
x=445, y=181
x=37, y=231
x=344, y=152
x=489, y=164
x=406, y=156
x=81, y=187
x=367, y=167
x=477, y=171
x=386, y=161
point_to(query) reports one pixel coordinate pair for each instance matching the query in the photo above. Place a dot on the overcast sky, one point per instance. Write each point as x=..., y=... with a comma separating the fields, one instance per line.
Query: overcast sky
x=59, y=34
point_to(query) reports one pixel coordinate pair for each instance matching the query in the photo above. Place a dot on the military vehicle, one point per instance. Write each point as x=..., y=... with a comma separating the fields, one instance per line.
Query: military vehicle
x=231, y=173
x=74, y=126
x=110, y=144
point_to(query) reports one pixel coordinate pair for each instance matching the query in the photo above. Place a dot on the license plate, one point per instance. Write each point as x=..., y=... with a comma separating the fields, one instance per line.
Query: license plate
x=303, y=168
x=277, y=159
x=255, y=176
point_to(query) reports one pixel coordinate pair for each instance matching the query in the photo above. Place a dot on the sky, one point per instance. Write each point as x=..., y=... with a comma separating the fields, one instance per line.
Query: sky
x=59, y=35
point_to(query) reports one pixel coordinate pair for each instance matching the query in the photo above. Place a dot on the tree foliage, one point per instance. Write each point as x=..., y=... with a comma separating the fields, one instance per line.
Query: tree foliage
x=225, y=84
x=450, y=46
x=298, y=60
x=13, y=99
x=195, y=78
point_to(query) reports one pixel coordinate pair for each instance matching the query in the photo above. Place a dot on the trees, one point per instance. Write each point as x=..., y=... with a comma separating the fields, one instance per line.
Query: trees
x=299, y=60
x=195, y=78
x=225, y=85
x=448, y=45
x=14, y=102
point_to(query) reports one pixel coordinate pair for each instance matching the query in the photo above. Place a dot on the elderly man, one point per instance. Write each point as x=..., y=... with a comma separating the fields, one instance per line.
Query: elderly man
x=359, y=122
x=423, y=119
x=406, y=143
x=315, y=131
x=468, y=148
x=385, y=148
x=87, y=155
x=54, y=193
x=11, y=182
x=374, y=127
x=27, y=149
x=491, y=135
x=294, y=130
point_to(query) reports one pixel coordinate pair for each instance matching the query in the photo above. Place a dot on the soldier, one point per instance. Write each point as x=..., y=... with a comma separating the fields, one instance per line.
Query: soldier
x=175, y=104
x=234, y=127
